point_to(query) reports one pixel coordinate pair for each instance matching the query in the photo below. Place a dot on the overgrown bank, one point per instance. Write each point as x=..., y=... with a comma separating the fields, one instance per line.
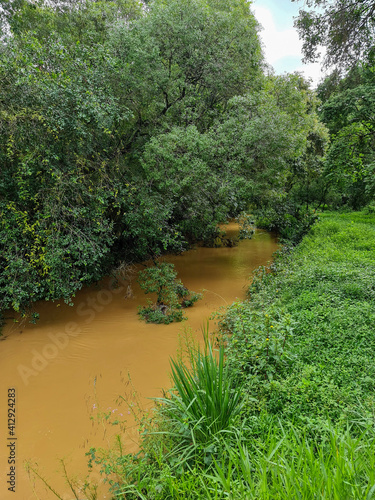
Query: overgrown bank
x=304, y=342
x=300, y=355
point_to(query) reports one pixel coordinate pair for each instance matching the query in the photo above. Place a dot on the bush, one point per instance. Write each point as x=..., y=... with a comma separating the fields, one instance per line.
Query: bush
x=171, y=294
x=291, y=221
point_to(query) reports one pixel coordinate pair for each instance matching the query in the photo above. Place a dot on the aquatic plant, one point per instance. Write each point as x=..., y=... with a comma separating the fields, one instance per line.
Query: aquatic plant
x=171, y=295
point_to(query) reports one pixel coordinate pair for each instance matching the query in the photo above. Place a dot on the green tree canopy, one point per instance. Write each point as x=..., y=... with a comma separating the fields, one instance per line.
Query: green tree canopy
x=348, y=111
x=129, y=131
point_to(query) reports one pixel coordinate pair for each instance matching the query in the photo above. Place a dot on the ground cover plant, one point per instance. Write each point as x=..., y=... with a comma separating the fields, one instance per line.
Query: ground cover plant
x=324, y=293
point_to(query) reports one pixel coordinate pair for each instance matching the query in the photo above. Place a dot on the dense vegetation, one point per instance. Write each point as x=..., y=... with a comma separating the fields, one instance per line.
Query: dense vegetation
x=346, y=30
x=128, y=131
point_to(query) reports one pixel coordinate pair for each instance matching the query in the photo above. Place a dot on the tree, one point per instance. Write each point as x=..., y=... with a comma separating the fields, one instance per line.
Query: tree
x=350, y=117
x=171, y=294
x=84, y=20
x=348, y=109
x=346, y=28
x=263, y=134
x=68, y=210
x=181, y=63
x=245, y=157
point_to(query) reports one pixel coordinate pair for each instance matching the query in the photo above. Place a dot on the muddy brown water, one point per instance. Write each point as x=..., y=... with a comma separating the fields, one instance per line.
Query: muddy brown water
x=70, y=368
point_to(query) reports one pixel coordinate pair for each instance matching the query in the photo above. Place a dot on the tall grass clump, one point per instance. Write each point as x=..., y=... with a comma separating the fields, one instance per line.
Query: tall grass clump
x=203, y=406
x=281, y=463
x=205, y=399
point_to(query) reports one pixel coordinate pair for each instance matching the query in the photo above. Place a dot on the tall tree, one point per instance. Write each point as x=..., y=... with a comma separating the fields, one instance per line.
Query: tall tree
x=181, y=64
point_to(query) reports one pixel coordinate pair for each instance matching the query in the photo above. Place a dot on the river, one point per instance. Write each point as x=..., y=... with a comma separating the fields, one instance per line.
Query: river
x=70, y=368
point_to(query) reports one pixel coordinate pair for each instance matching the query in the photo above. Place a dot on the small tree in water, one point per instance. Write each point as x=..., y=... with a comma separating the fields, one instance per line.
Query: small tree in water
x=171, y=295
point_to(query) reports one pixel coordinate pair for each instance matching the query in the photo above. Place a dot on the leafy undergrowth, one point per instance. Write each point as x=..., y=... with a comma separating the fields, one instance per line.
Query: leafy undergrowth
x=298, y=380
x=309, y=324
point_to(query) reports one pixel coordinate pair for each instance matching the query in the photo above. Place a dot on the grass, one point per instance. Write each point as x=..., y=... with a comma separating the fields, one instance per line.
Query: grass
x=325, y=289
x=293, y=466
x=281, y=464
x=204, y=401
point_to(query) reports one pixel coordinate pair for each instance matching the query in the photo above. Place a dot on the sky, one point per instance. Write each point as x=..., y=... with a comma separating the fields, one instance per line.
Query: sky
x=282, y=47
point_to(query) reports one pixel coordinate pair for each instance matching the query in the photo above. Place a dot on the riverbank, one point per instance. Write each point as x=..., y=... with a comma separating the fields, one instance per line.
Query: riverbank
x=300, y=353
x=324, y=293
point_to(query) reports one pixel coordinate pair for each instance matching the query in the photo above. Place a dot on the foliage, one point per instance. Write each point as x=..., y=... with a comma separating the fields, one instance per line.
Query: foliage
x=324, y=288
x=288, y=464
x=247, y=226
x=75, y=116
x=204, y=400
x=280, y=462
x=191, y=425
x=257, y=343
x=171, y=295
x=202, y=193
x=290, y=220
x=83, y=20
x=264, y=147
x=344, y=27
x=179, y=76
x=125, y=135
x=348, y=112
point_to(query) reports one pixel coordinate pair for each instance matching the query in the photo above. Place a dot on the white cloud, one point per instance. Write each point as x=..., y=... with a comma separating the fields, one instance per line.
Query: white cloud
x=313, y=71
x=283, y=48
x=277, y=44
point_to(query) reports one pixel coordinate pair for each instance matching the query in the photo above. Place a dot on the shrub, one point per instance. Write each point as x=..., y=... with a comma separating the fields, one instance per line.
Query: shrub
x=291, y=221
x=171, y=294
x=247, y=226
